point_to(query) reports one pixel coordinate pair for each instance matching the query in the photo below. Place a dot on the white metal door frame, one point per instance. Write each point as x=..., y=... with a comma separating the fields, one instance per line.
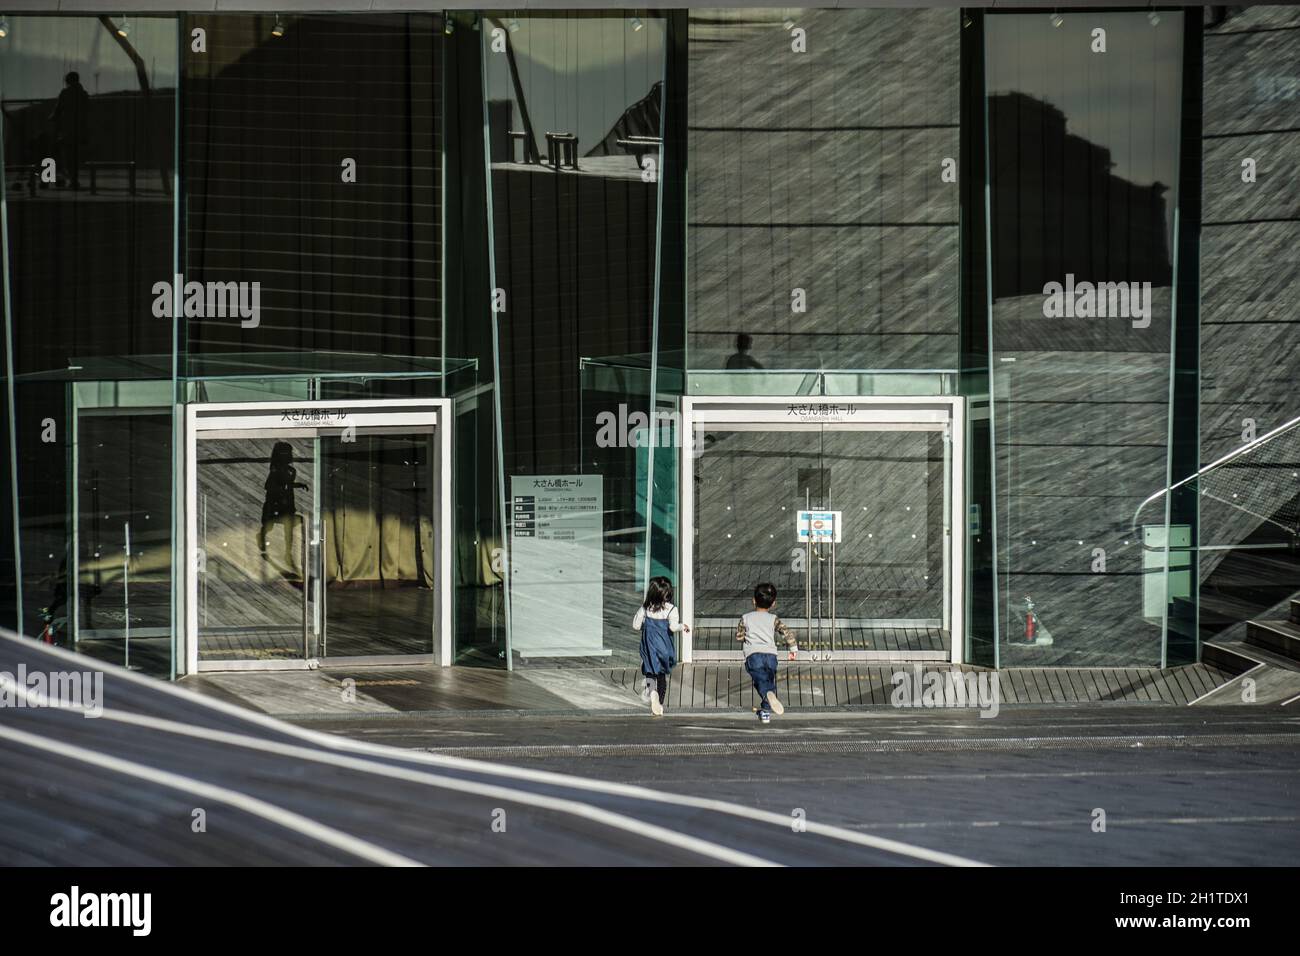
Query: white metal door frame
x=317, y=417
x=847, y=413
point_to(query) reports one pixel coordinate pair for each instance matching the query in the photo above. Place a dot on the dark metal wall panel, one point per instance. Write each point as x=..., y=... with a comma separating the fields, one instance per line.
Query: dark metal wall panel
x=268, y=123
x=822, y=171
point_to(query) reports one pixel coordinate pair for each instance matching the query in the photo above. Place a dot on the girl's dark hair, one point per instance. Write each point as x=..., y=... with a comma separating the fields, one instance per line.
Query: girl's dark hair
x=658, y=595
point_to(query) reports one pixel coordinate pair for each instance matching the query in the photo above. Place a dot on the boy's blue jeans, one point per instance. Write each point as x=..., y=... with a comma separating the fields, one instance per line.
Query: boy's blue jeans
x=762, y=668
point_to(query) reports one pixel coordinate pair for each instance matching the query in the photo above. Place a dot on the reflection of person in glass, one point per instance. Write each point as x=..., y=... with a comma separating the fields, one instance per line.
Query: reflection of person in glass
x=278, y=507
x=70, y=121
x=742, y=358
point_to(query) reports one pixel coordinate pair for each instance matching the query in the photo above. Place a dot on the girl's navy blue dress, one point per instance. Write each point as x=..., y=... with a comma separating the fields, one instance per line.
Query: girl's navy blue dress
x=658, y=653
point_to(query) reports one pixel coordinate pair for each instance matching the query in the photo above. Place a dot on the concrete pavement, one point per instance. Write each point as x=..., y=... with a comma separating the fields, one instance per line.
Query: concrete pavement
x=1176, y=785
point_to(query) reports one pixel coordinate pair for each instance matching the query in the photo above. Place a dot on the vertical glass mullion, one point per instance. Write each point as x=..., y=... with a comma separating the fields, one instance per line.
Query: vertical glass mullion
x=1169, y=451
x=180, y=547
x=653, y=398
x=496, y=348
x=9, y=397
x=992, y=383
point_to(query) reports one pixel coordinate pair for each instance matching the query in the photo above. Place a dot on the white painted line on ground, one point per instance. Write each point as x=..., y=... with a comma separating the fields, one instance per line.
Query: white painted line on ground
x=539, y=776
x=1009, y=775
x=1237, y=679
x=597, y=815
x=519, y=773
x=1071, y=824
x=701, y=803
x=240, y=801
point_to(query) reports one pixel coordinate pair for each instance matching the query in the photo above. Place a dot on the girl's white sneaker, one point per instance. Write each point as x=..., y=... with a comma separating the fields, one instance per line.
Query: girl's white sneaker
x=656, y=707
x=774, y=703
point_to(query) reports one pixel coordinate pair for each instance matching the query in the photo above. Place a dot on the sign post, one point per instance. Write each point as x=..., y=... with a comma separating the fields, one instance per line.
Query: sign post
x=818, y=527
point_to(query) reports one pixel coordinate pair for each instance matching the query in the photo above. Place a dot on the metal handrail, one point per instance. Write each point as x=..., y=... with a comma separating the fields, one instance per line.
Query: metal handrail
x=1219, y=463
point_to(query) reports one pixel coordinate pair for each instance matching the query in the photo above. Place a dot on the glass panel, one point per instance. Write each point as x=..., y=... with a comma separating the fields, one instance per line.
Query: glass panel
x=479, y=555
x=823, y=233
x=874, y=382
x=750, y=485
x=478, y=539
x=573, y=109
x=1084, y=166
x=88, y=138
x=122, y=608
x=889, y=563
x=313, y=170
x=254, y=498
x=882, y=582
x=380, y=557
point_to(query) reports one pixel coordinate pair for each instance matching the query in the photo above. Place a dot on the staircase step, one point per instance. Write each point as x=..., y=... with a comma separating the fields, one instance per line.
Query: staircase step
x=1281, y=637
x=1231, y=656
x=1218, y=652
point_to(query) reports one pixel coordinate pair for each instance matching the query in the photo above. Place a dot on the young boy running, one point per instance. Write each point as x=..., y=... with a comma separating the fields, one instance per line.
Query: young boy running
x=759, y=630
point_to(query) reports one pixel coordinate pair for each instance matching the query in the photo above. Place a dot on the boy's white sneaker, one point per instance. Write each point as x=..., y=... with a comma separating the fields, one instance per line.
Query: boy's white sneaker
x=656, y=707
x=774, y=703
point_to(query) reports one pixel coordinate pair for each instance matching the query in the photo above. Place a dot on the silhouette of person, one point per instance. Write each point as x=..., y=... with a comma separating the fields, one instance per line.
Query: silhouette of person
x=742, y=358
x=70, y=120
x=278, y=506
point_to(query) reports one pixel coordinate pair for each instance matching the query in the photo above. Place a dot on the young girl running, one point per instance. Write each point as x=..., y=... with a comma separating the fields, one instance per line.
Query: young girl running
x=657, y=619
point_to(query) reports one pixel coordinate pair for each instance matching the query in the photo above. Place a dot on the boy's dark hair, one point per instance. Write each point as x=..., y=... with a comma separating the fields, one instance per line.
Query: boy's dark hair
x=658, y=594
x=765, y=595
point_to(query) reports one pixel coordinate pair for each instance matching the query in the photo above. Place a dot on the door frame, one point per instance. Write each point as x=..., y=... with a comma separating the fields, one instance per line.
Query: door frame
x=290, y=416
x=887, y=411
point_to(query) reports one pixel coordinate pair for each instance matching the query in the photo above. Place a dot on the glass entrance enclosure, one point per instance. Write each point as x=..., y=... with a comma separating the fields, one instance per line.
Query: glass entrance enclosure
x=319, y=531
x=847, y=506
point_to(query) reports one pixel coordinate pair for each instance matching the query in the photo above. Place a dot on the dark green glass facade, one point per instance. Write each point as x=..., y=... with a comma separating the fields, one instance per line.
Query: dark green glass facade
x=566, y=223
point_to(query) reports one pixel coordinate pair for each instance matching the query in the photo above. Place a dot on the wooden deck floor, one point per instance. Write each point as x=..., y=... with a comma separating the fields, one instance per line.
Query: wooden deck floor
x=700, y=687
x=848, y=638
x=728, y=686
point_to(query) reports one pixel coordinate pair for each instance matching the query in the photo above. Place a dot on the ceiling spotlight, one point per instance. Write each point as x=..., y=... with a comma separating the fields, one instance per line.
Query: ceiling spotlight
x=278, y=29
x=636, y=24
x=124, y=28
x=1154, y=18
x=512, y=25
x=788, y=25
x=448, y=26
x=966, y=20
x=4, y=27
x=1057, y=19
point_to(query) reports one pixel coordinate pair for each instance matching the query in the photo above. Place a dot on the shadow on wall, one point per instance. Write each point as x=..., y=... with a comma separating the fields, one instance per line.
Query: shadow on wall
x=1063, y=209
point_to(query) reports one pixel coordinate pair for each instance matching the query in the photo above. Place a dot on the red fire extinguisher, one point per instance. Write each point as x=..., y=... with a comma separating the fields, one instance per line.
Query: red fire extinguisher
x=49, y=633
x=1031, y=626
